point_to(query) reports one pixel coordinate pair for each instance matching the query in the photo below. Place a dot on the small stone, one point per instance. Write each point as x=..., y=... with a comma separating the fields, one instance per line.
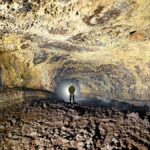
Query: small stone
x=13, y=121
x=2, y=127
x=115, y=140
x=44, y=105
x=9, y=135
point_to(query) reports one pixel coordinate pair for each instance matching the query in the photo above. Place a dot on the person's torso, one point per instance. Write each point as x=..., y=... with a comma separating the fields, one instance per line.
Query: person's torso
x=71, y=89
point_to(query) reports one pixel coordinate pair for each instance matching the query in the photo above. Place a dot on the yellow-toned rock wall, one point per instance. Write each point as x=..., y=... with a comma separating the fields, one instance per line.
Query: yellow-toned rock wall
x=104, y=45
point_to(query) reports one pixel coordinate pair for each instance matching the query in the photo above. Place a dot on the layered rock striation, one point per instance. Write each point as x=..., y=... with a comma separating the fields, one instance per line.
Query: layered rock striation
x=103, y=45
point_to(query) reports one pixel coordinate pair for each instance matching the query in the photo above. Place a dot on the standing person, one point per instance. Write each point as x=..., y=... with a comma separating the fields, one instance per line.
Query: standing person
x=72, y=91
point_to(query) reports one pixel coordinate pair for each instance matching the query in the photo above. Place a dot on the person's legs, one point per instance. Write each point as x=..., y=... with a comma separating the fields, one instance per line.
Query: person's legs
x=73, y=99
x=70, y=98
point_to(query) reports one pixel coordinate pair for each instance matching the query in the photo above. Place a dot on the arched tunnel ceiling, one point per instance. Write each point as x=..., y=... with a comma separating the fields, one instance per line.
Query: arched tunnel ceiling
x=103, y=45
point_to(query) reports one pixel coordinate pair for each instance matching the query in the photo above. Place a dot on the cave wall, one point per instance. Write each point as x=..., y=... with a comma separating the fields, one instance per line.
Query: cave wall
x=102, y=45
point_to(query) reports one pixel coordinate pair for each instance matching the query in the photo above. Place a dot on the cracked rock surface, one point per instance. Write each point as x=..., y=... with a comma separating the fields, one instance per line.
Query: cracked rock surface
x=102, y=45
x=48, y=124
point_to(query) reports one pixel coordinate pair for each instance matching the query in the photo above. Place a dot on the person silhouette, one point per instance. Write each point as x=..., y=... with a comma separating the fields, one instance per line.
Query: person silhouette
x=71, y=90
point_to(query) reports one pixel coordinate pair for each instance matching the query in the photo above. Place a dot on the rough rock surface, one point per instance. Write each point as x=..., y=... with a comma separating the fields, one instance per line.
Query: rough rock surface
x=48, y=125
x=104, y=45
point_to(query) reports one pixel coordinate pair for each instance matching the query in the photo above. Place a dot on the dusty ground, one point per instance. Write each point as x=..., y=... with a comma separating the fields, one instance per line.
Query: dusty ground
x=52, y=125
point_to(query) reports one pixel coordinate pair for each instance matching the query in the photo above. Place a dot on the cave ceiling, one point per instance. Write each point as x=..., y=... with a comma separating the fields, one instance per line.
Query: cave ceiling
x=103, y=45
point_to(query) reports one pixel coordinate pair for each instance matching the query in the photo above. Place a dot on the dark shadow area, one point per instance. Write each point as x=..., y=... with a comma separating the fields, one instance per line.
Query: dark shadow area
x=114, y=104
x=31, y=96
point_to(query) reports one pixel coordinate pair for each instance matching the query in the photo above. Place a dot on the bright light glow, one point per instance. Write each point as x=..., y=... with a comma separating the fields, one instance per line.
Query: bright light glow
x=62, y=89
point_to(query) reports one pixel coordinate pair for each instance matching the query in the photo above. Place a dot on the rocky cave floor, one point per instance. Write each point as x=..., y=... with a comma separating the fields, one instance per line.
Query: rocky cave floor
x=47, y=125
